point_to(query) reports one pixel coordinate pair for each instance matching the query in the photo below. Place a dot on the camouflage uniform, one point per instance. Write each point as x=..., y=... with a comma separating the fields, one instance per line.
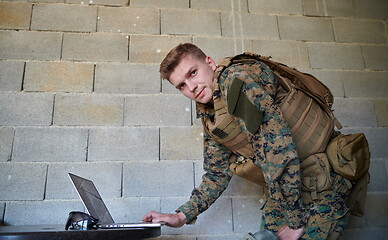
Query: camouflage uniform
x=275, y=154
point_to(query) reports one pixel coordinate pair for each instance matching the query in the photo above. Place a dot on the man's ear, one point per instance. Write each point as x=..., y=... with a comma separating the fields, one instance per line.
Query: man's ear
x=211, y=63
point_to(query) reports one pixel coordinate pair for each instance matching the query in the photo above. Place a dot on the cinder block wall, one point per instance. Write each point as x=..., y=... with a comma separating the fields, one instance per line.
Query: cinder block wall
x=80, y=92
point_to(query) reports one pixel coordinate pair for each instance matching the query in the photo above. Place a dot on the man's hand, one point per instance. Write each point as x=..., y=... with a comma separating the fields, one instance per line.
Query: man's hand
x=172, y=220
x=286, y=233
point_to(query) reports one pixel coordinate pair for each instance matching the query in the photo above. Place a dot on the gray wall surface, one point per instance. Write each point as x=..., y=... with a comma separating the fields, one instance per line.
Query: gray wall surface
x=80, y=92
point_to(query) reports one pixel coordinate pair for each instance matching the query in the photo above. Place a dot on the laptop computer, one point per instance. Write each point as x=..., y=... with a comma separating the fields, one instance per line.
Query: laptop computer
x=97, y=208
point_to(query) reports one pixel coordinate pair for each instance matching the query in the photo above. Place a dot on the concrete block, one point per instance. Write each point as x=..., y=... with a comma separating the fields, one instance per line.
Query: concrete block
x=161, y=4
x=129, y=20
x=359, y=84
x=355, y=112
x=366, y=84
x=30, y=45
x=101, y=2
x=22, y=181
x=219, y=48
x=156, y=110
x=249, y=25
x=15, y=15
x=190, y=22
x=40, y=212
x=181, y=143
x=291, y=53
x=305, y=28
x=366, y=233
x=95, y=47
x=58, y=77
x=376, y=57
x=275, y=6
x=64, y=17
x=157, y=179
x=168, y=88
x=50, y=145
x=26, y=109
x=381, y=110
x=220, y=5
x=377, y=210
x=333, y=79
x=131, y=209
x=11, y=76
x=6, y=143
x=377, y=138
x=127, y=78
x=216, y=220
x=378, y=176
x=152, y=49
x=359, y=31
x=375, y=9
x=335, y=56
x=246, y=214
x=106, y=176
x=333, y=8
x=50, y=1
x=88, y=109
x=123, y=144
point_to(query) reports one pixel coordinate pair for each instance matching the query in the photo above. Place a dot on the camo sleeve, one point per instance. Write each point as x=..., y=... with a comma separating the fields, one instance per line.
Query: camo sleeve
x=274, y=148
x=214, y=181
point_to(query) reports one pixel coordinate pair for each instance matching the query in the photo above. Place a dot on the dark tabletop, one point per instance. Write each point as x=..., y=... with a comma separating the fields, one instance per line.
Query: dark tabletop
x=58, y=232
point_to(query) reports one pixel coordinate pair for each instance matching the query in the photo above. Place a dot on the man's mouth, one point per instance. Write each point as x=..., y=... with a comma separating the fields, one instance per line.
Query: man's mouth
x=199, y=93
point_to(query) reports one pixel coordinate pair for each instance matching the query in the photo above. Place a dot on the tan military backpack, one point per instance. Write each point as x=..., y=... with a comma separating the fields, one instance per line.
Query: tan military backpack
x=306, y=104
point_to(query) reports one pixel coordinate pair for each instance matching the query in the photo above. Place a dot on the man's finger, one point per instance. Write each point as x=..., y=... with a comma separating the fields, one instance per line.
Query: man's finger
x=282, y=228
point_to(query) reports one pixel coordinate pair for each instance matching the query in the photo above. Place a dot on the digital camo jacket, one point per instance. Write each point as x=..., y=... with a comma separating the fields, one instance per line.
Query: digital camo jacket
x=275, y=151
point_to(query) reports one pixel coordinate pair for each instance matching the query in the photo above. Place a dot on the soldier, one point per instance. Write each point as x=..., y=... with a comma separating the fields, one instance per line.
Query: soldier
x=288, y=212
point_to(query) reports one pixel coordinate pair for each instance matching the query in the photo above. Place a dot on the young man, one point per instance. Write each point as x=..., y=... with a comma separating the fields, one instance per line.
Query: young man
x=267, y=141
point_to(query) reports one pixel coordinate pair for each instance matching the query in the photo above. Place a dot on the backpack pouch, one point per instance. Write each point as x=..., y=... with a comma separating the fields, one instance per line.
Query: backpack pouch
x=349, y=155
x=249, y=171
x=316, y=174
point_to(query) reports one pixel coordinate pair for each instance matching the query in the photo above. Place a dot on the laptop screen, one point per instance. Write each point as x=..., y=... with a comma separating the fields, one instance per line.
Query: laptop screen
x=91, y=199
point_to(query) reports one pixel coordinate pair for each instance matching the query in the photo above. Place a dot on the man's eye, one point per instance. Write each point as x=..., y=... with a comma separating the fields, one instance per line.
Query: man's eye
x=182, y=85
x=193, y=72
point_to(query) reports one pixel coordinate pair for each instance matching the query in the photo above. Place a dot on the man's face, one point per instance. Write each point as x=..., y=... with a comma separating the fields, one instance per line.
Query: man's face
x=194, y=78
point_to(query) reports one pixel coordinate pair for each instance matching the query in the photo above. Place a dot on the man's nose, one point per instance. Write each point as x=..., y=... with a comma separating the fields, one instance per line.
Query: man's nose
x=191, y=85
